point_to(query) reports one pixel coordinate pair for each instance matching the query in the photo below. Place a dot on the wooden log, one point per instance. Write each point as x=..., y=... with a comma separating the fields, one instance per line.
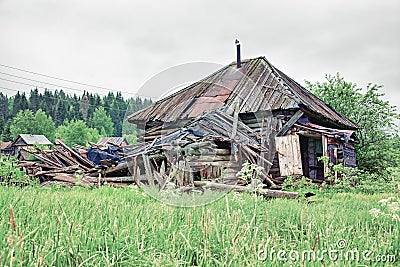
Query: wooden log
x=238, y=188
x=26, y=164
x=83, y=160
x=61, y=170
x=290, y=123
x=235, y=120
x=249, y=156
x=208, y=163
x=256, y=155
x=122, y=179
x=216, y=151
x=160, y=132
x=70, y=178
x=147, y=167
x=47, y=161
x=203, y=158
x=70, y=161
x=55, y=159
x=255, y=126
x=267, y=179
x=119, y=167
x=252, y=121
x=135, y=172
x=203, y=144
x=43, y=158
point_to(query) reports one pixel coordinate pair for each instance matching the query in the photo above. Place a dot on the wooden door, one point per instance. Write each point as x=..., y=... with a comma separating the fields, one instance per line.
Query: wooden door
x=289, y=155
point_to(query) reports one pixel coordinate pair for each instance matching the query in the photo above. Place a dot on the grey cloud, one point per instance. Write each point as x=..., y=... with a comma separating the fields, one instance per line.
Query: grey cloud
x=121, y=44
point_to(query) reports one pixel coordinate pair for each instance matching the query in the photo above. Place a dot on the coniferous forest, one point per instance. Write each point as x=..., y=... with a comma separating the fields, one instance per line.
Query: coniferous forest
x=60, y=108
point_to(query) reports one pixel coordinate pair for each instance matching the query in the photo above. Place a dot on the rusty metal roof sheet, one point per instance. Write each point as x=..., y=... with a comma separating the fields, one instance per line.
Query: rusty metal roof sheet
x=257, y=85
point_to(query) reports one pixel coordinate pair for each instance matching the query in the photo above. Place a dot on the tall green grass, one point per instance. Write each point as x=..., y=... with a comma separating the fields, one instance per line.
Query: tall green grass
x=126, y=227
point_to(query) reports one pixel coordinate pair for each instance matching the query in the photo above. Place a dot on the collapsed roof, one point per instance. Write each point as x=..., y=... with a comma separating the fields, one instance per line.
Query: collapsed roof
x=213, y=125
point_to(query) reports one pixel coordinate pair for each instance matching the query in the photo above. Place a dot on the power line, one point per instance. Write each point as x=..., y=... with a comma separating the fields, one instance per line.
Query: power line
x=37, y=86
x=70, y=88
x=66, y=80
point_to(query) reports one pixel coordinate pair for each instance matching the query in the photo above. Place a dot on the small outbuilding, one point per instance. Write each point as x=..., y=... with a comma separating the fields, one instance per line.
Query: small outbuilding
x=24, y=142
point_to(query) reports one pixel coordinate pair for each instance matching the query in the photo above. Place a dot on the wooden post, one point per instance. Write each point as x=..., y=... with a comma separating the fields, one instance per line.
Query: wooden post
x=325, y=153
x=235, y=120
x=147, y=167
x=135, y=176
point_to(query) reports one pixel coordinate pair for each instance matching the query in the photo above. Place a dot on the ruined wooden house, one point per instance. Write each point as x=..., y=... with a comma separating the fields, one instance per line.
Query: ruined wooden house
x=288, y=128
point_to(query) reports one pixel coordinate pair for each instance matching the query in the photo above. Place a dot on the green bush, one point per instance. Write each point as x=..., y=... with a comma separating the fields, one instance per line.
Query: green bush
x=9, y=172
x=342, y=179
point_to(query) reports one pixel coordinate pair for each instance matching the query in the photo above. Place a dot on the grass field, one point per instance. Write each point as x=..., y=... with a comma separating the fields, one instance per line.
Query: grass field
x=125, y=227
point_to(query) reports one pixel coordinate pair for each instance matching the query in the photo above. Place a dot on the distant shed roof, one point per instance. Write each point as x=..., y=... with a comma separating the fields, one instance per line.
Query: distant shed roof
x=257, y=85
x=30, y=139
x=111, y=140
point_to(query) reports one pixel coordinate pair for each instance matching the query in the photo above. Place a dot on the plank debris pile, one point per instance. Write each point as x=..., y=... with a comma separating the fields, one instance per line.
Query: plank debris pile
x=205, y=154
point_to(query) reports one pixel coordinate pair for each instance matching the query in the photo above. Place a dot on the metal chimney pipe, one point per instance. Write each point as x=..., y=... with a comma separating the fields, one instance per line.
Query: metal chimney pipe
x=238, y=59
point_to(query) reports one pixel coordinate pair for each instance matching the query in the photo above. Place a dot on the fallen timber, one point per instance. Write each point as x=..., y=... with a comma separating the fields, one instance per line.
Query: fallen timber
x=237, y=188
x=205, y=154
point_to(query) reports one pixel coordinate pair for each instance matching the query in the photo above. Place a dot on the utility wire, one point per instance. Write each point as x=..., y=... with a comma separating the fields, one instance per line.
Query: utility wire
x=66, y=100
x=65, y=87
x=66, y=80
x=69, y=88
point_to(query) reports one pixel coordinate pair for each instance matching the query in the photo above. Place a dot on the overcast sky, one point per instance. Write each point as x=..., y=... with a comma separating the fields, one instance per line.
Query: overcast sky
x=121, y=44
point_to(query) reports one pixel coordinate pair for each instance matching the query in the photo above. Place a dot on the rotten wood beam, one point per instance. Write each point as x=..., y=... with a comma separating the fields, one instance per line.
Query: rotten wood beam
x=290, y=123
x=235, y=120
x=83, y=160
x=61, y=170
x=238, y=188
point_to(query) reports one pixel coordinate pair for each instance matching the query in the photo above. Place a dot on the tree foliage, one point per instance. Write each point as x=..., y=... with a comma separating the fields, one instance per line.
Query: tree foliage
x=76, y=132
x=25, y=122
x=61, y=106
x=376, y=117
x=102, y=122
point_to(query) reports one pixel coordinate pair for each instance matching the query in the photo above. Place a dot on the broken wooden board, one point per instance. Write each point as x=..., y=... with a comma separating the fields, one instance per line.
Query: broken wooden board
x=238, y=188
x=289, y=155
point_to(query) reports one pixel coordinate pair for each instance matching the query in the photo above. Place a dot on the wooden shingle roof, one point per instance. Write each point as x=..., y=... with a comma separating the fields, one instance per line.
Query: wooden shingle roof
x=257, y=86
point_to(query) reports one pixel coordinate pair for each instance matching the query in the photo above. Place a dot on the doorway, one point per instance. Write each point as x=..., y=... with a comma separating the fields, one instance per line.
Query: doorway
x=311, y=149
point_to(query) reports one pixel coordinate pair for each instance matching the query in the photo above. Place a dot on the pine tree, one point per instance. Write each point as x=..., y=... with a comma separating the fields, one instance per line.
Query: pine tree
x=60, y=112
x=114, y=112
x=6, y=133
x=3, y=108
x=34, y=101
